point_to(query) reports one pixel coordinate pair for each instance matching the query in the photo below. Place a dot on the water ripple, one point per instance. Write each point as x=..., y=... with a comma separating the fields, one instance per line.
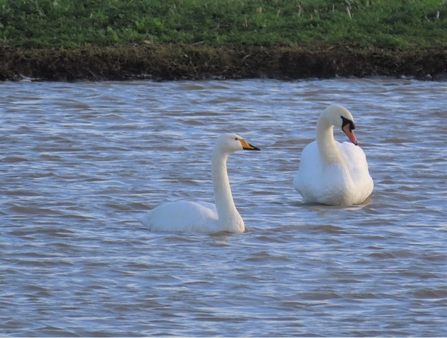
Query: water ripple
x=80, y=160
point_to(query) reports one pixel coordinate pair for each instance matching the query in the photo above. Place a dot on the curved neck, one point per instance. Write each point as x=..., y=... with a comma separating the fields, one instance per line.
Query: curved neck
x=226, y=210
x=327, y=148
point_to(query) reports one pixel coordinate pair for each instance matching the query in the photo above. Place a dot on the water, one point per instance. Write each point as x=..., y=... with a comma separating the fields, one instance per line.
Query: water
x=79, y=160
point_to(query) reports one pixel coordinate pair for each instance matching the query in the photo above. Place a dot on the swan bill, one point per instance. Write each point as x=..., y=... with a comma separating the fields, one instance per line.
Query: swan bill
x=350, y=134
x=247, y=146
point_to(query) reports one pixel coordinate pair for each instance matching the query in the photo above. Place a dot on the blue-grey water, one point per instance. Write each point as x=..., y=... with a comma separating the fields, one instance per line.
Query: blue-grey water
x=79, y=160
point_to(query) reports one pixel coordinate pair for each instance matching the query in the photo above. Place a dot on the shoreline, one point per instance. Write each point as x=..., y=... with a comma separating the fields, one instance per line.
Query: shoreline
x=198, y=61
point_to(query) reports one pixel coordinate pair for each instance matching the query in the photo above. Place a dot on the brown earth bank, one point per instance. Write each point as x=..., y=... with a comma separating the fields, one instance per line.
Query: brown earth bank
x=175, y=62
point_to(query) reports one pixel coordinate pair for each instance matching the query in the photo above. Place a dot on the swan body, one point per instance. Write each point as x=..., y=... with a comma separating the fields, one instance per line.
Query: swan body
x=202, y=216
x=330, y=172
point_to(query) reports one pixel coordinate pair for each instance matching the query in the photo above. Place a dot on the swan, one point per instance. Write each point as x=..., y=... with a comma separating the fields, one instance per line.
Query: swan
x=330, y=172
x=202, y=216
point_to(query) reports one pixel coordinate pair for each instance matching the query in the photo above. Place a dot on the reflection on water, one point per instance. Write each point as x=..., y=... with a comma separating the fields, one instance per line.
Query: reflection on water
x=79, y=160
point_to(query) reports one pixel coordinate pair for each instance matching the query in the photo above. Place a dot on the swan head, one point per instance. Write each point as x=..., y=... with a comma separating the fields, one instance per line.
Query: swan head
x=230, y=142
x=340, y=117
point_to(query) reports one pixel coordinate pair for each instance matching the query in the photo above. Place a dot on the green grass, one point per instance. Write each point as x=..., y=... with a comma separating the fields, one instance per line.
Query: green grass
x=394, y=24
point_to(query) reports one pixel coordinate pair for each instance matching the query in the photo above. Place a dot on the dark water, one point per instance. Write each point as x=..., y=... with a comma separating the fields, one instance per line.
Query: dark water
x=79, y=160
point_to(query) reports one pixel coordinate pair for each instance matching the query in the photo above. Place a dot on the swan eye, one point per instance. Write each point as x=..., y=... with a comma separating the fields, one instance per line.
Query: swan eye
x=236, y=139
x=347, y=121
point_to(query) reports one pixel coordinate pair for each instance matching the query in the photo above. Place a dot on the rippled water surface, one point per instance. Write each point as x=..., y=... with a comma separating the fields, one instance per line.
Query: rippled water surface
x=79, y=160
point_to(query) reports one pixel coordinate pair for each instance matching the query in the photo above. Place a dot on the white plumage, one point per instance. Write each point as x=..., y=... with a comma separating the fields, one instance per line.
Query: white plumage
x=202, y=216
x=330, y=172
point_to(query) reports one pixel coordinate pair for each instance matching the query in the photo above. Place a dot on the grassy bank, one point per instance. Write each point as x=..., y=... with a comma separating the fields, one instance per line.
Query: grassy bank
x=171, y=39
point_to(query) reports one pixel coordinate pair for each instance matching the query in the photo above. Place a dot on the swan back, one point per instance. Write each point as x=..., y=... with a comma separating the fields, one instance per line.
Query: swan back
x=182, y=216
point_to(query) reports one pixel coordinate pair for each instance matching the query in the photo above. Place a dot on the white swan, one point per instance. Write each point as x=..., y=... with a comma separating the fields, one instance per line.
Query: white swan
x=202, y=216
x=330, y=172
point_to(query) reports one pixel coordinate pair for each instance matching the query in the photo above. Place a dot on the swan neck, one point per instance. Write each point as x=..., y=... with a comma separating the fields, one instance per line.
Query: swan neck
x=228, y=215
x=327, y=147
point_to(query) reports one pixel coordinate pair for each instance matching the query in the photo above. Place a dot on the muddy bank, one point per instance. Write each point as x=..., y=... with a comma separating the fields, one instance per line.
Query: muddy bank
x=173, y=62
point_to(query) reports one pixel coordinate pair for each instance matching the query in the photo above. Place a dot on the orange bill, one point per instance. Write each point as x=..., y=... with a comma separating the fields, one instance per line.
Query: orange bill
x=248, y=146
x=350, y=133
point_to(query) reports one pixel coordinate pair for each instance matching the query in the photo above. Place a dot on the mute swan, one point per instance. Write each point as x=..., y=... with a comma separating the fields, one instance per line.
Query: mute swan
x=202, y=216
x=330, y=172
